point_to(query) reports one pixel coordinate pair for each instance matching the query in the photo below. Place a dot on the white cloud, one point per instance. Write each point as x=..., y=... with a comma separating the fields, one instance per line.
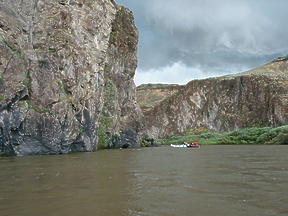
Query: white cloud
x=179, y=73
x=187, y=39
x=169, y=74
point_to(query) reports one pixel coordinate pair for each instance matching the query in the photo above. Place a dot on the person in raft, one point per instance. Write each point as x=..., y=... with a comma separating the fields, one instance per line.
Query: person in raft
x=184, y=143
x=194, y=144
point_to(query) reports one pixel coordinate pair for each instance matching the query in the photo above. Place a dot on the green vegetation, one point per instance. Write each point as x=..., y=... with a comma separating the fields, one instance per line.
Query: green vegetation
x=266, y=135
x=102, y=135
x=144, y=143
x=107, y=69
x=110, y=97
x=9, y=45
x=4, y=154
x=32, y=107
x=13, y=49
x=65, y=91
x=40, y=111
x=284, y=58
x=113, y=36
x=52, y=50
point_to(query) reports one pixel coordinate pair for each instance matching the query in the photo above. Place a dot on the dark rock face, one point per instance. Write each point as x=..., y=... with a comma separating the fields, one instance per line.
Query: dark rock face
x=255, y=98
x=66, y=71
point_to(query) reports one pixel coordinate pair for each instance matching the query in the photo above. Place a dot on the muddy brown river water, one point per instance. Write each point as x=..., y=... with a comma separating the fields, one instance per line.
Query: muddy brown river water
x=212, y=180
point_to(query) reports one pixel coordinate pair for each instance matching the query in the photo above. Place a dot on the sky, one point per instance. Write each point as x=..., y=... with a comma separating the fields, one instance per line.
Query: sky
x=183, y=40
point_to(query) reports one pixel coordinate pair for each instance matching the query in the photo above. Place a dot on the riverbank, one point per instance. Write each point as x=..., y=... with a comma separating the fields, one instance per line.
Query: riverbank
x=254, y=135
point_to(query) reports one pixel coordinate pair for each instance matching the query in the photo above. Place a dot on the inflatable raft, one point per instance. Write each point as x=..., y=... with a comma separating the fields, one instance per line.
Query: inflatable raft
x=185, y=146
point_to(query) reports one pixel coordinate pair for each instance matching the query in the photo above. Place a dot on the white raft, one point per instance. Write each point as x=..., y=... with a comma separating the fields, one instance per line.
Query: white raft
x=185, y=146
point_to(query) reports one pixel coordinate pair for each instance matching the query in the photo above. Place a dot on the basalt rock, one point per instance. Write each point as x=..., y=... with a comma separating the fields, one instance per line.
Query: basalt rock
x=67, y=69
x=255, y=98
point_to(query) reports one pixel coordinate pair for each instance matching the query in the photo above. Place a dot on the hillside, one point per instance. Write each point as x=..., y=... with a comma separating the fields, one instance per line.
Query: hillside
x=257, y=97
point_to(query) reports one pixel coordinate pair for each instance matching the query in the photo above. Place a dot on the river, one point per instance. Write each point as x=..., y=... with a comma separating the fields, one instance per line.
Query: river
x=213, y=180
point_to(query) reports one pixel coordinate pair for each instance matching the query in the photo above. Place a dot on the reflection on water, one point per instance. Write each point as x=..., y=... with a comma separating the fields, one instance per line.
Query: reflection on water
x=212, y=180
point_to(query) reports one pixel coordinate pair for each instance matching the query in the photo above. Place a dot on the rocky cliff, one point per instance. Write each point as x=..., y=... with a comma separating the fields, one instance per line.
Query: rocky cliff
x=255, y=98
x=149, y=95
x=66, y=76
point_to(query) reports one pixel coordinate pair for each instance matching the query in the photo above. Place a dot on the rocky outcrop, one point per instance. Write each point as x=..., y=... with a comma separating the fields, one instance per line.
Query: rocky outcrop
x=66, y=71
x=255, y=98
x=149, y=95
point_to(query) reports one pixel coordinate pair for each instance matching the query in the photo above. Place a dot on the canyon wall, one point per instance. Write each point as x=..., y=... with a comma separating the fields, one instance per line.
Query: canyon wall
x=255, y=98
x=149, y=95
x=66, y=77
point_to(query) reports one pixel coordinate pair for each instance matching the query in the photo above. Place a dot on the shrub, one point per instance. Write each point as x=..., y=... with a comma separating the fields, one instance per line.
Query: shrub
x=279, y=135
x=265, y=135
x=282, y=138
x=103, y=137
x=208, y=135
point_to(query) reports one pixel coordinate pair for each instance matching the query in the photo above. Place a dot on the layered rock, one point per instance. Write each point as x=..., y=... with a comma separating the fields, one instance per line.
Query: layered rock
x=255, y=98
x=66, y=71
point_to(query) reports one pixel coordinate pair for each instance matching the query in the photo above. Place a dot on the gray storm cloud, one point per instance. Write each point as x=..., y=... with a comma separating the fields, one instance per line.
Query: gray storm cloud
x=214, y=36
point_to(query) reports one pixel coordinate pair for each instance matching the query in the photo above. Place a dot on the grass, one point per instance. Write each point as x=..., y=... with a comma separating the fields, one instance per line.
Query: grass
x=266, y=135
